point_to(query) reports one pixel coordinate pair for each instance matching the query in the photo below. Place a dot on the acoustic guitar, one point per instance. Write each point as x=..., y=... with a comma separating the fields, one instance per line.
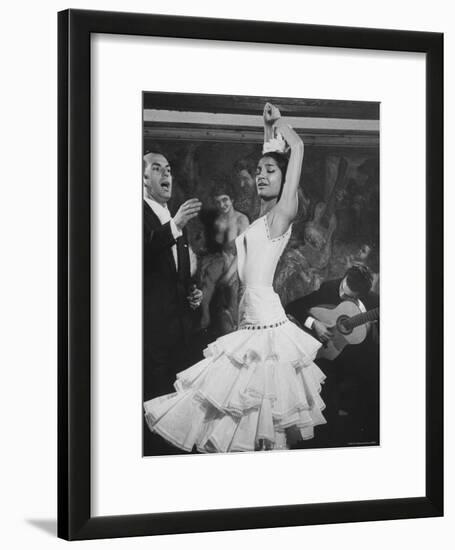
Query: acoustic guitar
x=347, y=323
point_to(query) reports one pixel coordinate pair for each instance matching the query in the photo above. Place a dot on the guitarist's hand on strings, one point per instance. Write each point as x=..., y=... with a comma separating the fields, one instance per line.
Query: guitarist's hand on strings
x=323, y=332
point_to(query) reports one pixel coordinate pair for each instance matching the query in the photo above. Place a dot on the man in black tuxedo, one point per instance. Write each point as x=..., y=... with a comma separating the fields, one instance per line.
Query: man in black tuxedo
x=171, y=298
x=351, y=389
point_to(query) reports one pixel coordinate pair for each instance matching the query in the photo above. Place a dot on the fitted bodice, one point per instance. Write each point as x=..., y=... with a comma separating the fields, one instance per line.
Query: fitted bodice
x=258, y=254
x=257, y=258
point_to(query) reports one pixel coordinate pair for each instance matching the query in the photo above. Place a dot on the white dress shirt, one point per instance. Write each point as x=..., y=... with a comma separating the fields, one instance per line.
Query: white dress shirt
x=163, y=214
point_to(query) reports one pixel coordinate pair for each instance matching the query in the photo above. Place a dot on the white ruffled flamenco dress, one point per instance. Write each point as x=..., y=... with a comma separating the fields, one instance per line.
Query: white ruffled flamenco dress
x=254, y=383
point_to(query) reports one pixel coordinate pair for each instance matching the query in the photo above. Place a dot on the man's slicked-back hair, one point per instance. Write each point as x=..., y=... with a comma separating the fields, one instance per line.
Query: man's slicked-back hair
x=147, y=158
x=359, y=279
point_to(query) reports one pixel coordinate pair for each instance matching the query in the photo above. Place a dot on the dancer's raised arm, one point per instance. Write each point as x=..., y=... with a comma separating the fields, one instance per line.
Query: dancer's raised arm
x=274, y=126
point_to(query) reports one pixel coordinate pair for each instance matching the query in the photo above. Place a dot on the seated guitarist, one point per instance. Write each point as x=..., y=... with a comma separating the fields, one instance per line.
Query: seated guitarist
x=352, y=384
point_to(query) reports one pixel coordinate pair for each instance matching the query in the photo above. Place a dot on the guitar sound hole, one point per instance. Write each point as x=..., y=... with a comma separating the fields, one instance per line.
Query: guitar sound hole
x=341, y=324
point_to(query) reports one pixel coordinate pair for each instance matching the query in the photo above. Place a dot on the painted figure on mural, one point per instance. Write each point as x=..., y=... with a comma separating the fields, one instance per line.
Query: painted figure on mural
x=219, y=283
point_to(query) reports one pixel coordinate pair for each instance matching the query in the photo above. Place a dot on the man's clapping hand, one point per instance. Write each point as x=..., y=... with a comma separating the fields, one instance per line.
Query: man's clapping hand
x=188, y=210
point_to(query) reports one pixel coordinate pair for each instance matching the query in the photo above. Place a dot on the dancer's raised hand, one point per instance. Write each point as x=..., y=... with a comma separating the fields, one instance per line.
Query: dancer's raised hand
x=271, y=114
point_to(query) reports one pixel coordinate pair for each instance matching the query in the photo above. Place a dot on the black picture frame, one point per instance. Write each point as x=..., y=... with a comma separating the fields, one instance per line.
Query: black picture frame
x=75, y=521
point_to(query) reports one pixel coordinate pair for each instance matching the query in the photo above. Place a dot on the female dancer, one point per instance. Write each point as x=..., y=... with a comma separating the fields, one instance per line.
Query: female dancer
x=260, y=382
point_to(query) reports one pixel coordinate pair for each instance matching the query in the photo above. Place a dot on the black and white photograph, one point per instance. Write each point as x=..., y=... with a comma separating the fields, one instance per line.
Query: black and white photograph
x=261, y=273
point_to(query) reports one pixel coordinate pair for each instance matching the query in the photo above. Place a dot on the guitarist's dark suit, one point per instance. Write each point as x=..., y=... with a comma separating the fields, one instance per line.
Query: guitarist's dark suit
x=353, y=377
x=168, y=321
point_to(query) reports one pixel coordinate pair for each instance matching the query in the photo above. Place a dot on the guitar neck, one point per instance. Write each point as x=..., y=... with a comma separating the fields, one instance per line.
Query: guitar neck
x=362, y=318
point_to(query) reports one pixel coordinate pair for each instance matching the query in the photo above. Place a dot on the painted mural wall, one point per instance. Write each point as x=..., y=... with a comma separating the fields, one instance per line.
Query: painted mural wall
x=338, y=220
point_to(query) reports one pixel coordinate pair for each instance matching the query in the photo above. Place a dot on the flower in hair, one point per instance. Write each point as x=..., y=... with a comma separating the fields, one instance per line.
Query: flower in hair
x=275, y=145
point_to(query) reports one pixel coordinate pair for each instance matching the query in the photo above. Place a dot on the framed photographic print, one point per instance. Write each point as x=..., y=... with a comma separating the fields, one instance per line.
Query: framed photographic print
x=250, y=282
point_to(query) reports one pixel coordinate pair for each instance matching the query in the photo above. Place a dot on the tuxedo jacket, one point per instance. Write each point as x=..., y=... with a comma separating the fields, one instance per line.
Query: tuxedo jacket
x=329, y=294
x=168, y=319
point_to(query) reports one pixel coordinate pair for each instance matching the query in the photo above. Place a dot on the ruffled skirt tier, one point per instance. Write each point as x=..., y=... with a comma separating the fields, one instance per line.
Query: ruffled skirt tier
x=249, y=389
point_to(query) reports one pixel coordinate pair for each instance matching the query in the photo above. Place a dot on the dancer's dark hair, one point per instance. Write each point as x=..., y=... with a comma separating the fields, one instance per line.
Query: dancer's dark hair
x=281, y=159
